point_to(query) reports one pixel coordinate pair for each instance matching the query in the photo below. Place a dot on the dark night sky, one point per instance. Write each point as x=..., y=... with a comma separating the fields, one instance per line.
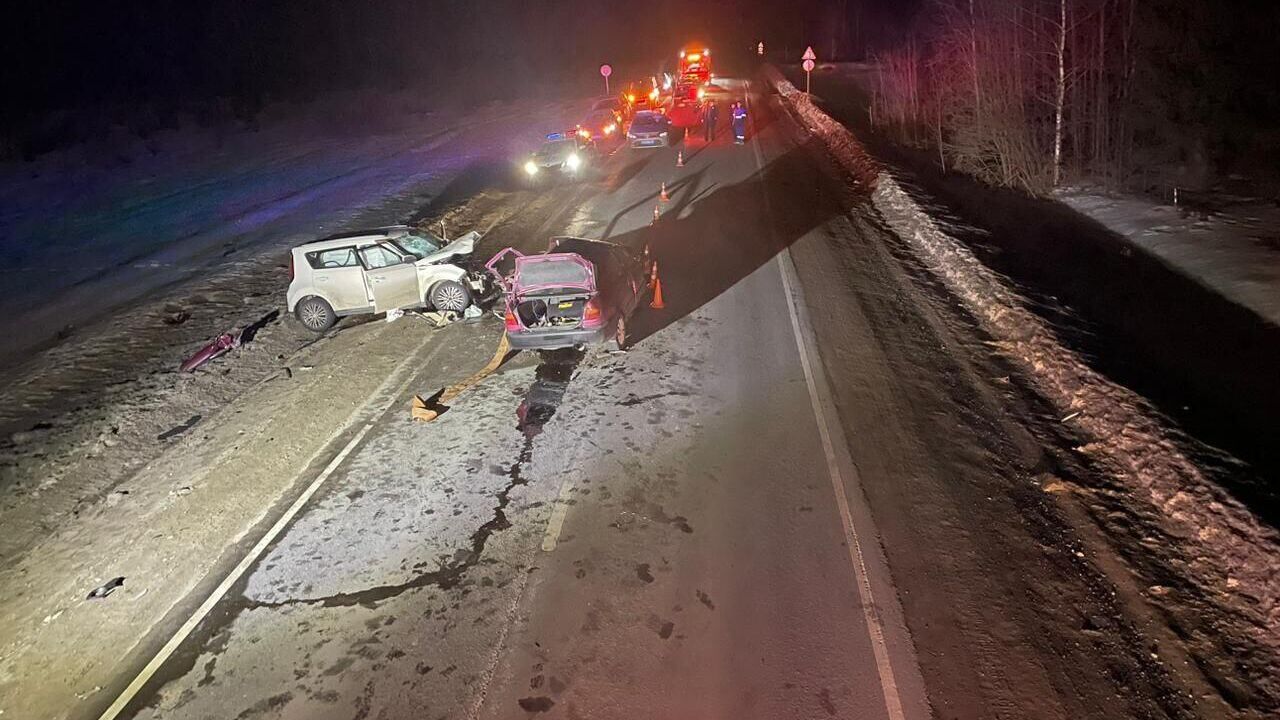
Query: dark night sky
x=111, y=53
x=72, y=68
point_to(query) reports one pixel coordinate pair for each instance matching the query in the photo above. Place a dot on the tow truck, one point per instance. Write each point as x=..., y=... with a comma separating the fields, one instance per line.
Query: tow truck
x=695, y=65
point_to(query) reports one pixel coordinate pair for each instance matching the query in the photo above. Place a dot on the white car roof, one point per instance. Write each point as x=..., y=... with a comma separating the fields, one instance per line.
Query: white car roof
x=352, y=238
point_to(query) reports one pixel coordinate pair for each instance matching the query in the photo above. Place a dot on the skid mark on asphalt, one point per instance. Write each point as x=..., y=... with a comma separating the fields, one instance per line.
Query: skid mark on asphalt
x=535, y=411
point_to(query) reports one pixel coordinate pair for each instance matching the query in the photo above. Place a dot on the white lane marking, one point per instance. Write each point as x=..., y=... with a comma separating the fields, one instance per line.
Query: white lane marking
x=875, y=627
x=207, y=606
x=170, y=647
x=556, y=521
x=892, y=700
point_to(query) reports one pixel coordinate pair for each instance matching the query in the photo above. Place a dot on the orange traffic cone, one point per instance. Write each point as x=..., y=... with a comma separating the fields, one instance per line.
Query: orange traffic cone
x=663, y=196
x=679, y=158
x=657, y=303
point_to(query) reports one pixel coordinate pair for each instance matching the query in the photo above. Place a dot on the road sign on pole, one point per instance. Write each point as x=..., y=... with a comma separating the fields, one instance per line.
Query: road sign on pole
x=808, y=59
x=605, y=71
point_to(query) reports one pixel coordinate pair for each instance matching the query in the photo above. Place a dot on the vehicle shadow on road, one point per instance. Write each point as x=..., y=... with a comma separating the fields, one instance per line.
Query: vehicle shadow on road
x=705, y=247
x=619, y=180
x=682, y=185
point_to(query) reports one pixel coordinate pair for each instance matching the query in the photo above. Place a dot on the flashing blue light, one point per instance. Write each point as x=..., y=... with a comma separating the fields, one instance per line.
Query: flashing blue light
x=555, y=136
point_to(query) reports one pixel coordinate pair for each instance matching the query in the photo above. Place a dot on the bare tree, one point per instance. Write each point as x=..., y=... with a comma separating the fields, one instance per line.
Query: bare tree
x=1061, y=91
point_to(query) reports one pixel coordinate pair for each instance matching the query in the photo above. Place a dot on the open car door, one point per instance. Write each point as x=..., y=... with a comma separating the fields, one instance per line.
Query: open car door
x=392, y=282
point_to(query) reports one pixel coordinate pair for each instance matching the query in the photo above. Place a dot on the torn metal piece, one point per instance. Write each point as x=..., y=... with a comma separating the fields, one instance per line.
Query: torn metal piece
x=105, y=588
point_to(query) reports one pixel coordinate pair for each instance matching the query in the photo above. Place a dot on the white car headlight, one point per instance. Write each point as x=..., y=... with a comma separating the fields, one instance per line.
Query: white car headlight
x=662, y=134
x=574, y=162
x=531, y=167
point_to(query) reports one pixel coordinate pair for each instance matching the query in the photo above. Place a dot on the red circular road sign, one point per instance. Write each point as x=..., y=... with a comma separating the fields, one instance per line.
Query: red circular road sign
x=808, y=66
x=606, y=70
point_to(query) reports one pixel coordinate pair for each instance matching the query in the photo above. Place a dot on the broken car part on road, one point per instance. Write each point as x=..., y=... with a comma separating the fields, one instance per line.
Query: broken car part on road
x=429, y=409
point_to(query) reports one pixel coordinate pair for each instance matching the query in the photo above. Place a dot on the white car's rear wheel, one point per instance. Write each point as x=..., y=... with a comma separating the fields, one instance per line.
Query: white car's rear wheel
x=448, y=295
x=315, y=314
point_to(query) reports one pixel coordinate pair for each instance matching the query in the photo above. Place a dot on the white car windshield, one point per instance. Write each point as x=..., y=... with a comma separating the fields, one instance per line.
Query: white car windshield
x=420, y=245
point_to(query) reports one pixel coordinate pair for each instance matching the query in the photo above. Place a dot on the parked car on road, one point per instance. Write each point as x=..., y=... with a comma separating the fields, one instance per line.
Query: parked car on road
x=373, y=271
x=601, y=126
x=560, y=155
x=580, y=292
x=649, y=129
x=611, y=103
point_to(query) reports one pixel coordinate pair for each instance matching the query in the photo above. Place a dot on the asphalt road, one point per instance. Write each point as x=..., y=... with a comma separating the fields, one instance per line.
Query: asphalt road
x=802, y=493
x=660, y=537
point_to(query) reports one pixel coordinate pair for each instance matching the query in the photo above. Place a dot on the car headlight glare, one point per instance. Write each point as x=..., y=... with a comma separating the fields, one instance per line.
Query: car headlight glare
x=531, y=167
x=574, y=161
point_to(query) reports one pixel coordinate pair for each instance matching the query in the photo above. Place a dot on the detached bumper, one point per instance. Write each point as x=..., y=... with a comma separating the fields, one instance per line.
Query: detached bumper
x=556, y=339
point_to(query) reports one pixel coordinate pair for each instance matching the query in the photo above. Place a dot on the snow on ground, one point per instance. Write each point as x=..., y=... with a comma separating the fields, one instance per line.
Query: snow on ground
x=82, y=234
x=205, y=222
x=1212, y=540
x=1234, y=249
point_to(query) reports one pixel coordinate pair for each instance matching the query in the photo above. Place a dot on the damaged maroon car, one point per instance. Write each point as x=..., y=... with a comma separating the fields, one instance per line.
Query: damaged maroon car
x=580, y=292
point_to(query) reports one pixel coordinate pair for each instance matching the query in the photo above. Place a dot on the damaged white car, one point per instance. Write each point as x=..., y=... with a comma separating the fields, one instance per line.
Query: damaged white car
x=373, y=271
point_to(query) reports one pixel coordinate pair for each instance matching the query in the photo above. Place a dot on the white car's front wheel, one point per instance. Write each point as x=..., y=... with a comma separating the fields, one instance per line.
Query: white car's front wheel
x=450, y=296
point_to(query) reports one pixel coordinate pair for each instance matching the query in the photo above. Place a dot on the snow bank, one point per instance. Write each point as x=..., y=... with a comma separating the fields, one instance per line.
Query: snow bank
x=1235, y=250
x=1224, y=550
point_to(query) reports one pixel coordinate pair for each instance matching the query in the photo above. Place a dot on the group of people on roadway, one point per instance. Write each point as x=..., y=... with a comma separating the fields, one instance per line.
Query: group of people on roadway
x=738, y=111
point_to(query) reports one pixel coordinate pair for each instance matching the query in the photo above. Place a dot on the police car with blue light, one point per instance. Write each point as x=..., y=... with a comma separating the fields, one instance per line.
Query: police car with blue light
x=560, y=155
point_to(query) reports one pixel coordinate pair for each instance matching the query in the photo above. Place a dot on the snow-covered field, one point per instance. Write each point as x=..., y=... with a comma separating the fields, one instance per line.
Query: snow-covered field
x=1208, y=540
x=158, y=255
x=87, y=230
x=1234, y=249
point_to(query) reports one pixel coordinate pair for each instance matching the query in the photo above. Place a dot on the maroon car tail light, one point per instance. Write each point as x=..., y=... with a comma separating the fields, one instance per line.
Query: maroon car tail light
x=513, y=325
x=591, y=313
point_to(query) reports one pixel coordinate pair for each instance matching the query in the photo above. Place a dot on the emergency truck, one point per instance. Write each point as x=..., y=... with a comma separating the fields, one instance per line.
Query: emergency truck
x=695, y=66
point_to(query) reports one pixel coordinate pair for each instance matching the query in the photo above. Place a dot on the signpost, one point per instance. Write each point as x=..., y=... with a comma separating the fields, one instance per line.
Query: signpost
x=808, y=59
x=605, y=71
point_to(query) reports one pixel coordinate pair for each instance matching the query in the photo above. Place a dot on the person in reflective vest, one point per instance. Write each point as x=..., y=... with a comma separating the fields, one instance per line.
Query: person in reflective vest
x=739, y=122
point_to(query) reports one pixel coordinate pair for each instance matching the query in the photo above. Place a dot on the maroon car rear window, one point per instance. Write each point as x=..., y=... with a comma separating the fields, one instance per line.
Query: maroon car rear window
x=552, y=272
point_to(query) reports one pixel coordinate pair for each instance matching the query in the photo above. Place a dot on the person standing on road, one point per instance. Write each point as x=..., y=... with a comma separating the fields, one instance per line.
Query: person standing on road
x=709, y=123
x=739, y=122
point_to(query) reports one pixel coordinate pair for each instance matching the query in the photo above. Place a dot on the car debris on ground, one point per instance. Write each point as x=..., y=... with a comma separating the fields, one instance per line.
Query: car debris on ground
x=105, y=588
x=430, y=408
x=219, y=346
